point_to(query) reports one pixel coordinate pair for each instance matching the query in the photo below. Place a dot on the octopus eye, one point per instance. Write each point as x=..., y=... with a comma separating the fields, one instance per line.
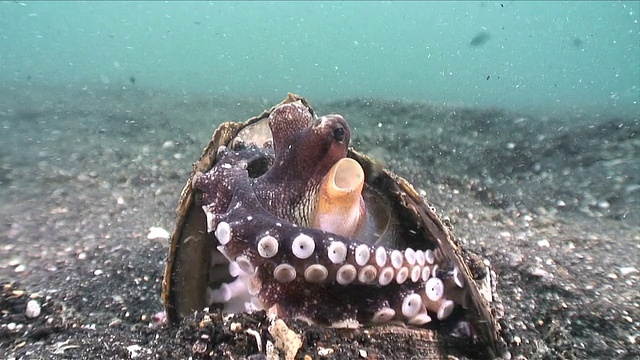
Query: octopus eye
x=338, y=134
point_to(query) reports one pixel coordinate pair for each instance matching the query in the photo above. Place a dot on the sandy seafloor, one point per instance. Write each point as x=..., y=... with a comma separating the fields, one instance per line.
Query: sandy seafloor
x=553, y=203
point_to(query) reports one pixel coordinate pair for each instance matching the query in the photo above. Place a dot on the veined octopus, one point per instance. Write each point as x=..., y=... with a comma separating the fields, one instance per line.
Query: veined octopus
x=280, y=214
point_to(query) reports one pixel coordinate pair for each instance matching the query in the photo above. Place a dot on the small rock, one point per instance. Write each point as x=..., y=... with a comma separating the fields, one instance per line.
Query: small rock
x=362, y=353
x=134, y=350
x=168, y=144
x=626, y=270
x=33, y=309
x=286, y=339
x=544, y=243
x=235, y=327
x=517, y=340
x=541, y=273
x=324, y=351
x=157, y=233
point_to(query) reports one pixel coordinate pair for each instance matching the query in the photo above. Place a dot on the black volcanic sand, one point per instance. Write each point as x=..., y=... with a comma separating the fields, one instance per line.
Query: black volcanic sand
x=553, y=203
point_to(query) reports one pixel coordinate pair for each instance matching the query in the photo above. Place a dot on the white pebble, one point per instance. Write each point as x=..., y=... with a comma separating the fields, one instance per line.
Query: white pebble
x=544, y=243
x=626, y=270
x=541, y=273
x=324, y=352
x=134, y=350
x=168, y=144
x=33, y=309
x=157, y=233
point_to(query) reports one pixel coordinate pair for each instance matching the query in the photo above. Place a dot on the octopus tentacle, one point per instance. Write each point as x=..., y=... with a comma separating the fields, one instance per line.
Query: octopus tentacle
x=272, y=253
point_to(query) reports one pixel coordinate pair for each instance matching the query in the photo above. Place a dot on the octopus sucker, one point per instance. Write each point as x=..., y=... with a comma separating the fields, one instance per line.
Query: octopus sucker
x=303, y=246
x=223, y=230
x=346, y=274
x=361, y=254
x=284, y=273
x=313, y=230
x=411, y=305
x=402, y=275
x=383, y=315
x=337, y=252
x=386, y=276
x=268, y=246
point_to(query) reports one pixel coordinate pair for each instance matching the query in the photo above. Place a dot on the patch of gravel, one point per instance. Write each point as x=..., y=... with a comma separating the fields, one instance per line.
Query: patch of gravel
x=85, y=173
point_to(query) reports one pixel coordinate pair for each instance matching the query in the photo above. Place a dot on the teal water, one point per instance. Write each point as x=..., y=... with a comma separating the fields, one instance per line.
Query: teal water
x=545, y=56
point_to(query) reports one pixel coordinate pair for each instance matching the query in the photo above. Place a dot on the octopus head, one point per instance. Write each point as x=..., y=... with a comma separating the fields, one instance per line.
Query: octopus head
x=306, y=146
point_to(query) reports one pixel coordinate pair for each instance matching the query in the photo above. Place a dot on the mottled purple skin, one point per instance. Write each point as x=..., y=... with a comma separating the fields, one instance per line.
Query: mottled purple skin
x=305, y=150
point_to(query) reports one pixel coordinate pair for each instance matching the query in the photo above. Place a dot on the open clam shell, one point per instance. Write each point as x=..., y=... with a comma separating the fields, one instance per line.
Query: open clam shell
x=236, y=245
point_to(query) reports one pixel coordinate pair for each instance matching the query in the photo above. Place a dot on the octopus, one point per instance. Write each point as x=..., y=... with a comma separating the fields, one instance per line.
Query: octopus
x=303, y=235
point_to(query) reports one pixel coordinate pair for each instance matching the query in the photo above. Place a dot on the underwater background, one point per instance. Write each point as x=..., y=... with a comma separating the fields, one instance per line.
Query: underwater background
x=546, y=56
x=518, y=121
